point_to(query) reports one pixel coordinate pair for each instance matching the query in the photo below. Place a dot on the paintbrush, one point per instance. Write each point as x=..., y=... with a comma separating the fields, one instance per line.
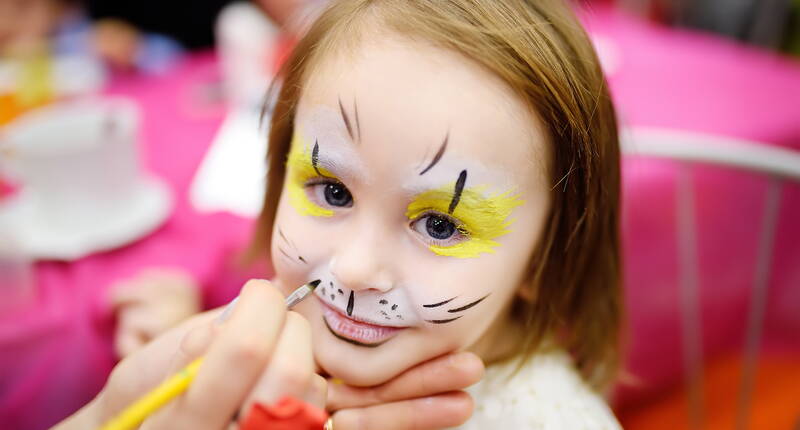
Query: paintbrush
x=148, y=404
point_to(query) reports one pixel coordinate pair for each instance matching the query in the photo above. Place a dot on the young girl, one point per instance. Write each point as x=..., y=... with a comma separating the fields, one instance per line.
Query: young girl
x=450, y=171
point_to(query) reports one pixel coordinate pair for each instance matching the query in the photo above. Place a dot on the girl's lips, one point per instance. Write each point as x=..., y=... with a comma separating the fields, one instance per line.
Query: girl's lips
x=356, y=332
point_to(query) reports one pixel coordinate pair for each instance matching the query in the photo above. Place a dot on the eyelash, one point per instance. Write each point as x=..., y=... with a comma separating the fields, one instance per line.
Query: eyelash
x=315, y=188
x=461, y=233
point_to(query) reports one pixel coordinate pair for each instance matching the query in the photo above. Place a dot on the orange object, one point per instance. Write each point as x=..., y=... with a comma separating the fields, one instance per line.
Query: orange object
x=774, y=402
x=9, y=108
x=287, y=414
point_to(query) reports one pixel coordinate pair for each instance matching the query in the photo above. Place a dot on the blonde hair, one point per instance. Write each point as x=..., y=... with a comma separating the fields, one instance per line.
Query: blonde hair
x=539, y=49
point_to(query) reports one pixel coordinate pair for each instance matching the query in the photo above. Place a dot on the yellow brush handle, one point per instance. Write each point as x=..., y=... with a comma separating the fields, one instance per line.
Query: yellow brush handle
x=134, y=414
x=174, y=386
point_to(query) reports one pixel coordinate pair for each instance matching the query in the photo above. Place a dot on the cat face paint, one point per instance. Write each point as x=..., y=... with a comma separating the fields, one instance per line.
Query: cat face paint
x=417, y=202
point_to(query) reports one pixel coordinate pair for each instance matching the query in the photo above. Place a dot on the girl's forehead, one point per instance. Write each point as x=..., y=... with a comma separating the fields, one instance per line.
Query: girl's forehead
x=398, y=104
x=415, y=166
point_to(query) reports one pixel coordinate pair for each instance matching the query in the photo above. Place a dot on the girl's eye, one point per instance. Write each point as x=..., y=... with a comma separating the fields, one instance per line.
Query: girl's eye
x=330, y=194
x=338, y=195
x=439, y=229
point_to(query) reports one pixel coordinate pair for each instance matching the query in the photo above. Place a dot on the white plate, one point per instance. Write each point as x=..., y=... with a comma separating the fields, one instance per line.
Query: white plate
x=149, y=208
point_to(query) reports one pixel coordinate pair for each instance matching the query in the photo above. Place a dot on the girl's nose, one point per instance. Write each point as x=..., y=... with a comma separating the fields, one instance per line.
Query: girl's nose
x=360, y=263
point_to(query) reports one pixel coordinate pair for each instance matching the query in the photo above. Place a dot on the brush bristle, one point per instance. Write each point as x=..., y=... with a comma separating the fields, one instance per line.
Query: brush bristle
x=313, y=284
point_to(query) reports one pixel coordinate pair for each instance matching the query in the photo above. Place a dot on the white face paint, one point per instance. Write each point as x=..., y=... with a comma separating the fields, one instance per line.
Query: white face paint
x=392, y=295
x=393, y=308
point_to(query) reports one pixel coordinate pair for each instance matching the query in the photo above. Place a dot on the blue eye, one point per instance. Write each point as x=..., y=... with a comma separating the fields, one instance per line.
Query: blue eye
x=439, y=229
x=337, y=195
x=327, y=192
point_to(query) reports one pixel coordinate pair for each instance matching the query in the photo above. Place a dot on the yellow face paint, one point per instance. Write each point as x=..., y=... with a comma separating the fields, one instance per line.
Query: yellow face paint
x=483, y=218
x=299, y=171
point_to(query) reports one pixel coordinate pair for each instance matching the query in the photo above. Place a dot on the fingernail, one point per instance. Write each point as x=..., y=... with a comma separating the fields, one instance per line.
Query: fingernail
x=463, y=359
x=227, y=312
x=457, y=358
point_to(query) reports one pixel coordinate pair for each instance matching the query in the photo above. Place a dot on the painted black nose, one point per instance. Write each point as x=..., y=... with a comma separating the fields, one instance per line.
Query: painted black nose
x=350, y=303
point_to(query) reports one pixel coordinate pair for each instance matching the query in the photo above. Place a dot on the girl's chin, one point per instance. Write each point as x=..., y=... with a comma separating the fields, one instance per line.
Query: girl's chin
x=355, y=365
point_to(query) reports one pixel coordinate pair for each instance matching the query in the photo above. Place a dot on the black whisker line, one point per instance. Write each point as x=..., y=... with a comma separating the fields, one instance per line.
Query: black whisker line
x=285, y=254
x=440, y=303
x=358, y=125
x=465, y=307
x=438, y=155
x=315, y=157
x=346, y=120
x=462, y=179
x=300, y=257
x=444, y=321
x=283, y=236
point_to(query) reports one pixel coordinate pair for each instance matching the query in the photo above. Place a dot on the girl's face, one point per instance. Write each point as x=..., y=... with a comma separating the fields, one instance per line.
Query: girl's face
x=416, y=190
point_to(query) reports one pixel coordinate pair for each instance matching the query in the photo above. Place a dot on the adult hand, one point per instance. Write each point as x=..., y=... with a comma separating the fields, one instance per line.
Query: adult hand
x=429, y=396
x=149, y=305
x=234, y=373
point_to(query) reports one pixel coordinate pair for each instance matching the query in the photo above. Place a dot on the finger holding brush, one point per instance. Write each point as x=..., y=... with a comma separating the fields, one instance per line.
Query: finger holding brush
x=238, y=354
x=258, y=330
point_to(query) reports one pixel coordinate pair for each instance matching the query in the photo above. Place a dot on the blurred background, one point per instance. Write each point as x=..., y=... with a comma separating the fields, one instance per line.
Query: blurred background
x=131, y=153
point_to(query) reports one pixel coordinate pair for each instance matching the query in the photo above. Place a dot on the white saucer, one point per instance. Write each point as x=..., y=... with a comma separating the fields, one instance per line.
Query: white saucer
x=149, y=208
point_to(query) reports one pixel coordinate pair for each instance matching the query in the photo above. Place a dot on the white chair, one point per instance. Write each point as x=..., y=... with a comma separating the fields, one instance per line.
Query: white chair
x=779, y=165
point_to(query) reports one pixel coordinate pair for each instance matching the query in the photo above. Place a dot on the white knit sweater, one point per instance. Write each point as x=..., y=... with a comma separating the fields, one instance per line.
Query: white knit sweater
x=546, y=394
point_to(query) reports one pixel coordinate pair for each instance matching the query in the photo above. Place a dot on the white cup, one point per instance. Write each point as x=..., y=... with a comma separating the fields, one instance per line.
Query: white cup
x=77, y=162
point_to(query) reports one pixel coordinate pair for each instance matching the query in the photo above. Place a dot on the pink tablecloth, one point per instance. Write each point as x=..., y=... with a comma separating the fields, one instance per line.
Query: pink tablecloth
x=55, y=354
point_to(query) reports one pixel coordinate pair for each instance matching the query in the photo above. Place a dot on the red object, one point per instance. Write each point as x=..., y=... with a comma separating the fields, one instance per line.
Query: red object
x=288, y=414
x=283, y=48
x=7, y=189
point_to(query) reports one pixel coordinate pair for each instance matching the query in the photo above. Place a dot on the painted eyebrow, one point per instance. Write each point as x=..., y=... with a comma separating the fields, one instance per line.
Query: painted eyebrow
x=462, y=179
x=347, y=122
x=465, y=307
x=438, y=155
x=440, y=303
x=315, y=157
x=358, y=125
x=337, y=168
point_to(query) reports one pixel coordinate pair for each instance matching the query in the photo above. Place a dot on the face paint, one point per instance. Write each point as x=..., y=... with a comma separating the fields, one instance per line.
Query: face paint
x=401, y=165
x=436, y=157
x=366, y=318
x=467, y=306
x=346, y=120
x=479, y=219
x=291, y=244
x=452, y=311
x=302, y=166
